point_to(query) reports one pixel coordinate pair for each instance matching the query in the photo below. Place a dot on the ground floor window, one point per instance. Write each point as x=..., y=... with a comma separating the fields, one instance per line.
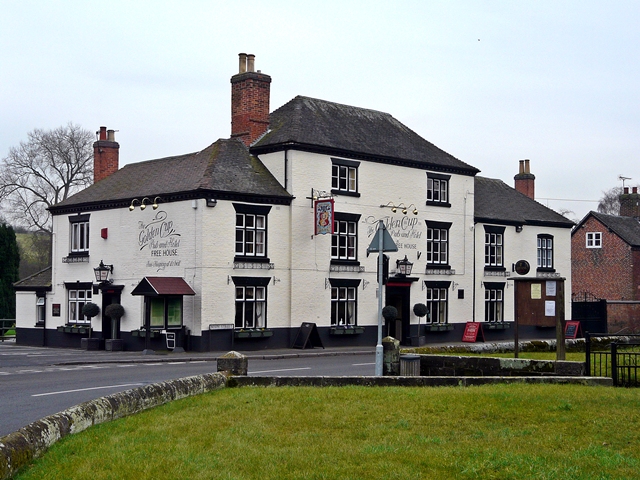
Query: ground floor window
x=41, y=310
x=251, y=301
x=437, y=302
x=493, y=302
x=78, y=294
x=344, y=301
x=165, y=312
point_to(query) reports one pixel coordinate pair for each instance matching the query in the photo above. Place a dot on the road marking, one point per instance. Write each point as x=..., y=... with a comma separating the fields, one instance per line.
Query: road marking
x=87, y=389
x=283, y=370
x=177, y=363
x=29, y=371
x=362, y=364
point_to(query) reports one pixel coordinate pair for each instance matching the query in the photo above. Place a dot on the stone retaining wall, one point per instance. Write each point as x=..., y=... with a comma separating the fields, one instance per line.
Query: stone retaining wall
x=460, y=366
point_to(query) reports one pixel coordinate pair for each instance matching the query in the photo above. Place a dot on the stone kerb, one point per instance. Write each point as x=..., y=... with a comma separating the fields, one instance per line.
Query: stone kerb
x=18, y=448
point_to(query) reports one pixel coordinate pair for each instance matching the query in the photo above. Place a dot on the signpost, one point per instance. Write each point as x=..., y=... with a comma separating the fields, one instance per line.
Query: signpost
x=382, y=242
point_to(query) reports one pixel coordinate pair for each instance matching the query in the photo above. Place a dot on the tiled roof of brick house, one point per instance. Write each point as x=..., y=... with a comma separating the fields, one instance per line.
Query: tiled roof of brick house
x=627, y=228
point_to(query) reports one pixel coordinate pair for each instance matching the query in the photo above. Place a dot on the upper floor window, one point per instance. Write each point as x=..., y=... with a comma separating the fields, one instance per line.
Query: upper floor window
x=78, y=294
x=344, y=241
x=438, y=243
x=545, y=252
x=41, y=310
x=594, y=239
x=493, y=246
x=251, y=231
x=438, y=189
x=344, y=176
x=79, y=234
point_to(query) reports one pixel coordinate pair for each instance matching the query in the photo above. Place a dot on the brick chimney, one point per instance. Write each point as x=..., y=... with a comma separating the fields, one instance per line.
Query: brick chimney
x=105, y=154
x=249, y=101
x=630, y=203
x=525, y=180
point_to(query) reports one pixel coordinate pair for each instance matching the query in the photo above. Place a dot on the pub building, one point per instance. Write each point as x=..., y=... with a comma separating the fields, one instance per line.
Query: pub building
x=240, y=243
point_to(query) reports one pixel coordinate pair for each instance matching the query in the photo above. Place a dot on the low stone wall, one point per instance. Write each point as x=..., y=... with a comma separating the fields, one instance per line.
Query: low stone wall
x=409, y=381
x=19, y=448
x=460, y=366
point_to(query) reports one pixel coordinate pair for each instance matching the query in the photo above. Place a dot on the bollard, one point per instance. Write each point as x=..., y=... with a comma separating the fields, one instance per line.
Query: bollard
x=391, y=356
x=233, y=362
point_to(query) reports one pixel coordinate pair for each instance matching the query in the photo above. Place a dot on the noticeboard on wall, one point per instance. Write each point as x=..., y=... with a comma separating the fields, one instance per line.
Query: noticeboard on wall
x=539, y=301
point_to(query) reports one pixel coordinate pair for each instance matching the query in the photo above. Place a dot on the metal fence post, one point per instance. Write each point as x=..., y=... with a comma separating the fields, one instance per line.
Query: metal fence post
x=614, y=363
x=587, y=349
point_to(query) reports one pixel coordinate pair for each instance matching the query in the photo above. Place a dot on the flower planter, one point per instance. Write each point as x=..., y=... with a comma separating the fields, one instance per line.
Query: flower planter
x=141, y=333
x=496, y=326
x=346, y=330
x=253, y=333
x=90, y=343
x=438, y=327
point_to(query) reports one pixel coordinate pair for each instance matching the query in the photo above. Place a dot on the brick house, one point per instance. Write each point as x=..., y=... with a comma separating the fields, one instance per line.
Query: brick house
x=605, y=262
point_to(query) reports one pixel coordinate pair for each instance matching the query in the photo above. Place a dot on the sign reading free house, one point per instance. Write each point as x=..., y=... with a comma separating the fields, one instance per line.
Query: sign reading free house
x=160, y=238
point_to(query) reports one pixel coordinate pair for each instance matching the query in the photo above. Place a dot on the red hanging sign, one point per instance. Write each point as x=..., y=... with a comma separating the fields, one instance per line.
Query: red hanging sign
x=323, y=218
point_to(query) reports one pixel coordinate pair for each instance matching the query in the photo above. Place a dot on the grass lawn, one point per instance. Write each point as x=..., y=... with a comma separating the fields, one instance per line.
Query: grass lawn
x=488, y=432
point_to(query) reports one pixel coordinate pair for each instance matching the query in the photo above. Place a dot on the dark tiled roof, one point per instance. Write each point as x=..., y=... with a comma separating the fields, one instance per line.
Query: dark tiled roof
x=225, y=167
x=38, y=281
x=333, y=128
x=495, y=201
x=627, y=228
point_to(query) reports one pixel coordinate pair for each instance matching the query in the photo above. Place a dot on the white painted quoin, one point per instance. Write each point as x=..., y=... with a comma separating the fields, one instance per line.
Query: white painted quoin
x=203, y=209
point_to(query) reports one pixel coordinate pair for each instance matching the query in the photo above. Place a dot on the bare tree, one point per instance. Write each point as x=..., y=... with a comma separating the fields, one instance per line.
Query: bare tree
x=46, y=169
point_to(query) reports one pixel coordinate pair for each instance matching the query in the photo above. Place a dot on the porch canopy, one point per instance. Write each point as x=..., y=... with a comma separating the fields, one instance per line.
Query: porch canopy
x=155, y=286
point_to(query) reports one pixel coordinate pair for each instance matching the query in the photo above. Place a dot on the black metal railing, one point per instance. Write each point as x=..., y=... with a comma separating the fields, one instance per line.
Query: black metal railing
x=618, y=360
x=5, y=327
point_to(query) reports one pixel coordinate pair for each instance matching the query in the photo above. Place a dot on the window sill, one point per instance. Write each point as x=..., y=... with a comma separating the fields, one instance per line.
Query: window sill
x=494, y=269
x=438, y=327
x=351, y=330
x=546, y=270
x=253, y=333
x=345, y=193
x=438, y=204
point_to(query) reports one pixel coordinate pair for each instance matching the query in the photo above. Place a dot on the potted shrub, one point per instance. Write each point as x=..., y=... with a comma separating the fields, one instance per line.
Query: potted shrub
x=420, y=310
x=90, y=310
x=115, y=311
x=389, y=313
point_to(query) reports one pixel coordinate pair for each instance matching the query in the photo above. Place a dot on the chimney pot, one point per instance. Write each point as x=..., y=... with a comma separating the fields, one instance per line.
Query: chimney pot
x=626, y=190
x=250, y=62
x=103, y=133
x=521, y=170
x=111, y=135
x=635, y=190
x=243, y=63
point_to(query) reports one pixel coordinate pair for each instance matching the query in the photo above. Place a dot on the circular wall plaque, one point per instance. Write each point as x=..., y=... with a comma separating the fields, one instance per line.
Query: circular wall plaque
x=522, y=267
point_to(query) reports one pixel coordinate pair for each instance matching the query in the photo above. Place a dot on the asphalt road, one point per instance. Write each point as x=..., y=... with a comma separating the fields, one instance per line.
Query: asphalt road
x=36, y=382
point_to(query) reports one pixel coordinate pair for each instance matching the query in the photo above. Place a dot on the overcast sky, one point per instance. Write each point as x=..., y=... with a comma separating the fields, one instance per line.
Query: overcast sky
x=490, y=82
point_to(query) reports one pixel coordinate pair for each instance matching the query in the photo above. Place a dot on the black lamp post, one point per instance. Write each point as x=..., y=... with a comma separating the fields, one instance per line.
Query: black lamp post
x=404, y=266
x=102, y=272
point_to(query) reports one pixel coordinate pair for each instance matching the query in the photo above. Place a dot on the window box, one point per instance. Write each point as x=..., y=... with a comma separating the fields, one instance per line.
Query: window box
x=438, y=327
x=496, y=326
x=258, y=333
x=350, y=330
x=141, y=333
x=84, y=330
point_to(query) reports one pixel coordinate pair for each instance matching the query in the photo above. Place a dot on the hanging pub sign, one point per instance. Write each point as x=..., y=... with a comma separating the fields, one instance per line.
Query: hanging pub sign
x=323, y=217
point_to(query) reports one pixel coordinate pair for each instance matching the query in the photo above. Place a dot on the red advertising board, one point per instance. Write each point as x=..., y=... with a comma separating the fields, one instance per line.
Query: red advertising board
x=471, y=331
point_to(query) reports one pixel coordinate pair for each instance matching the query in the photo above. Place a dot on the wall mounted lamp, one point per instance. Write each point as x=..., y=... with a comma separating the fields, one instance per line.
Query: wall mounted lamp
x=144, y=202
x=403, y=208
x=404, y=266
x=102, y=272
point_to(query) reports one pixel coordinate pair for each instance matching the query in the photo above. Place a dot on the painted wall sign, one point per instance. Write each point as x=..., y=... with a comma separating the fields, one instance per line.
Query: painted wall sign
x=323, y=217
x=160, y=238
x=406, y=231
